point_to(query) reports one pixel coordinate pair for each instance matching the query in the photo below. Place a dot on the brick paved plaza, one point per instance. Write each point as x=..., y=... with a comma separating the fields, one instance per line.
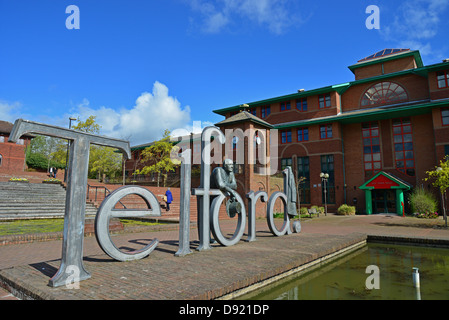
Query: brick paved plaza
x=26, y=268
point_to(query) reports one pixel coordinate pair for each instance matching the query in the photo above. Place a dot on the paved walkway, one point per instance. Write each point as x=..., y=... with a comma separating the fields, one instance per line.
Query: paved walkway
x=200, y=275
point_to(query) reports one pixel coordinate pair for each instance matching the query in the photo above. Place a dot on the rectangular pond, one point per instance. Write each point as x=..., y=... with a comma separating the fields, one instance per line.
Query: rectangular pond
x=347, y=277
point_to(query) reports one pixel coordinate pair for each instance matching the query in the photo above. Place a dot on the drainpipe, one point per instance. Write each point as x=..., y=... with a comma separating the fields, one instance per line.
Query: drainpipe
x=344, y=170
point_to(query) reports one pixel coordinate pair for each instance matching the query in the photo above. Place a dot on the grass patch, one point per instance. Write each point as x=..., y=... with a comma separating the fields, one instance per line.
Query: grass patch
x=139, y=222
x=31, y=226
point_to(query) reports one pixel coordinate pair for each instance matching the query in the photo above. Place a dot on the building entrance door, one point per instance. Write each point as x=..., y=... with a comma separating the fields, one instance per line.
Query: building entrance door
x=384, y=201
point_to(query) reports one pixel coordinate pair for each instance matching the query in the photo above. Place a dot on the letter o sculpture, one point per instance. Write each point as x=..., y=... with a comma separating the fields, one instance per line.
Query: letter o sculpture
x=215, y=225
x=107, y=211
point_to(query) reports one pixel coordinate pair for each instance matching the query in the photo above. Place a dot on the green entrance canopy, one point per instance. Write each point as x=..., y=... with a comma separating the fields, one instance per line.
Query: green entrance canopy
x=384, y=180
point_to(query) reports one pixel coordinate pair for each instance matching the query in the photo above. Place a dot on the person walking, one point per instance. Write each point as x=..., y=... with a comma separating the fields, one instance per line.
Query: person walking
x=168, y=199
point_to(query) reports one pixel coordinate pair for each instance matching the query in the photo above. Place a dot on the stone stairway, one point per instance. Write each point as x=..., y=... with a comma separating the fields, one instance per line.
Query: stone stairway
x=20, y=200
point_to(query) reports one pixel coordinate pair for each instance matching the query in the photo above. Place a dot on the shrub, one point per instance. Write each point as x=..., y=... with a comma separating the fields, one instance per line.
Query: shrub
x=345, y=210
x=303, y=211
x=423, y=201
x=39, y=161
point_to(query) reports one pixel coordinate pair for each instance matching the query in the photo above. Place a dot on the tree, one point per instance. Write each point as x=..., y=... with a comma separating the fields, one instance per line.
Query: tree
x=441, y=180
x=105, y=161
x=88, y=126
x=157, y=158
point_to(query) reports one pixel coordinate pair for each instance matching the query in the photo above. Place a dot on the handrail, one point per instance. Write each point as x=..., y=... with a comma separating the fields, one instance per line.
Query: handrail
x=96, y=192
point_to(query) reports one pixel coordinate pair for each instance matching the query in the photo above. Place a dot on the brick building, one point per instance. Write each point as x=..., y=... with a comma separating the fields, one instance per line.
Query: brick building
x=12, y=155
x=375, y=136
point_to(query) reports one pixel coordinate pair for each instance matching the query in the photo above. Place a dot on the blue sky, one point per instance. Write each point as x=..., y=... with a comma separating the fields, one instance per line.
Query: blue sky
x=142, y=66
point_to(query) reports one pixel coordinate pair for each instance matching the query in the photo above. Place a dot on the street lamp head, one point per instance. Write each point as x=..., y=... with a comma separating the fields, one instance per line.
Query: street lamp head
x=72, y=118
x=324, y=175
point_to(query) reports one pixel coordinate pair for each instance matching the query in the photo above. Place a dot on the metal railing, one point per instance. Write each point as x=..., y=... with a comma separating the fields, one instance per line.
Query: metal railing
x=106, y=193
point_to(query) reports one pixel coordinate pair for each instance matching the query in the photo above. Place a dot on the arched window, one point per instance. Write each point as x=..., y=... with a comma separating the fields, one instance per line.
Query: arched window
x=384, y=93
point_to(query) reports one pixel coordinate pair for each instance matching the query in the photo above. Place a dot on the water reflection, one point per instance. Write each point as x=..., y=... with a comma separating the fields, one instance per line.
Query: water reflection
x=346, y=277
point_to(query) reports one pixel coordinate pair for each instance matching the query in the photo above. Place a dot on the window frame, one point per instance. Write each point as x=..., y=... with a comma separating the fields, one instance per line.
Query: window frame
x=386, y=95
x=303, y=170
x=402, y=147
x=285, y=106
x=327, y=126
x=288, y=163
x=301, y=104
x=265, y=111
x=443, y=117
x=371, y=132
x=327, y=101
x=445, y=74
x=303, y=133
x=288, y=136
x=328, y=166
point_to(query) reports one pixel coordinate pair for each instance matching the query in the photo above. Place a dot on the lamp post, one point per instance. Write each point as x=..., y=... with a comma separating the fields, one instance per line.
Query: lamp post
x=439, y=169
x=67, y=153
x=324, y=177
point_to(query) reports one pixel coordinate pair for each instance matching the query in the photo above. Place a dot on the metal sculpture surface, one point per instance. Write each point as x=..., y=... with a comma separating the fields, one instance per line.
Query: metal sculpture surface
x=107, y=211
x=73, y=235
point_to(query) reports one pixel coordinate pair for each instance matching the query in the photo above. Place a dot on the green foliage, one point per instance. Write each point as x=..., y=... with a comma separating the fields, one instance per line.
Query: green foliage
x=422, y=201
x=105, y=161
x=157, y=158
x=39, y=161
x=440, y=175
x=345, y=210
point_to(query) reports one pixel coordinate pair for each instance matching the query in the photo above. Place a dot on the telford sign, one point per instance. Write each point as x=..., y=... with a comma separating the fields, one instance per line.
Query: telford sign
x=217, y=187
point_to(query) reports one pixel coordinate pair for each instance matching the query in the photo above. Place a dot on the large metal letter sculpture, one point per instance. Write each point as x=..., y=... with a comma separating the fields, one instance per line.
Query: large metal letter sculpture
x=203, y=193
x=184, y=215
x=288, y=198
x=224, y=180
x=73, y=236
x=107, y=211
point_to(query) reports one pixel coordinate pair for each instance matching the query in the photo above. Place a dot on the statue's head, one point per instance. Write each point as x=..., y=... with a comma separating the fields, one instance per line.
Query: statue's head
x=228, y=165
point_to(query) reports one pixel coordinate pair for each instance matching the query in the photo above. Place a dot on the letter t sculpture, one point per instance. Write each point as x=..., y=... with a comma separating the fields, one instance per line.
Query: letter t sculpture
x=75, y=205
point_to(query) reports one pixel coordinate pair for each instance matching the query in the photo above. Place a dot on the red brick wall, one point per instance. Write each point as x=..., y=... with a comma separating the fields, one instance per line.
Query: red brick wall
x=13, y=157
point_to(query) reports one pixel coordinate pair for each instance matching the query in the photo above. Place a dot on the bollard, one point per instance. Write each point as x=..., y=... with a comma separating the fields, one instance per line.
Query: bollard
x=416, y=278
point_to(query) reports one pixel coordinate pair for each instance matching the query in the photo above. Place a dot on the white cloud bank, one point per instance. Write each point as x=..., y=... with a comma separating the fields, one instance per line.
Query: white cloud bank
x=145, y=122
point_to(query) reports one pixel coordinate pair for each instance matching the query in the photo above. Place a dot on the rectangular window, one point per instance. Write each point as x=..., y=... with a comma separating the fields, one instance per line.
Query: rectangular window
x=286, y=162
x=371, y=148
x=446, y=150
x=403, y=146
x=301, y=104
x=303, y=134
x=285, y=105
x=253, y=111
x=326, y=131
x=327, y=166
x=443, y=79
x=325, y=100
x=2, y=138
x=304, y=179
x=265, y=111
x=286, y=136
x=445, y=117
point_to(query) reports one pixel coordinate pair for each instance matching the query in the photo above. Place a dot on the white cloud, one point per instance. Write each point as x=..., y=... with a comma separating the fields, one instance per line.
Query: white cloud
x=9, y=111
x=415, y=24
x=145, y=122
x=272, y=14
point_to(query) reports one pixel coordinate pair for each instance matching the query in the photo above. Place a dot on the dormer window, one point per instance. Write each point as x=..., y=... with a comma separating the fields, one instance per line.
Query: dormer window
x=384, y=93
